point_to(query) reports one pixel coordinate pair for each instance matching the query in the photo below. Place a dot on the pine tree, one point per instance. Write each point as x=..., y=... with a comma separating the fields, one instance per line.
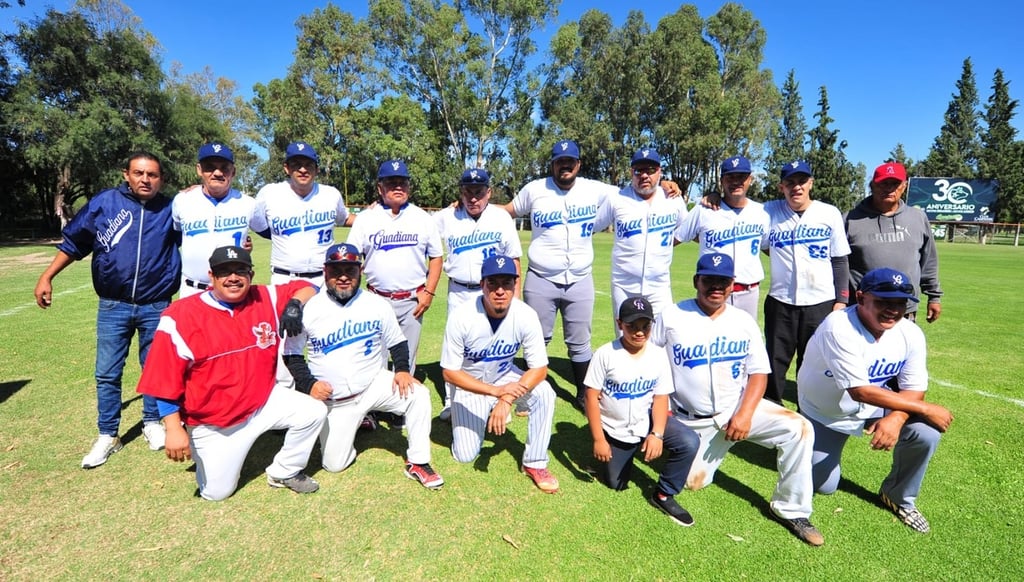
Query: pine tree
x=836, y=180
x=954, y=153
x=789, y=138
x=1000, y=156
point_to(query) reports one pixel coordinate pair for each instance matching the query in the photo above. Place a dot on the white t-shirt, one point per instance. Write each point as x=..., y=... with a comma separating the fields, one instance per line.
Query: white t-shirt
x=206, y=224
x=801, y=250
x=470, y=241
x=644, y=241
x=628, y=385
x=843, y=354
x=471, y=346
x=711, y=359
x=396, y=247
x=347, y=345
x=734, y=232
x=301, y=227
x=562, y=221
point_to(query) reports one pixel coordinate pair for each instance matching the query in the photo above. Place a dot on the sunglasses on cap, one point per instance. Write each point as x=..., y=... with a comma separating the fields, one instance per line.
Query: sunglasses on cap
x=343, y=257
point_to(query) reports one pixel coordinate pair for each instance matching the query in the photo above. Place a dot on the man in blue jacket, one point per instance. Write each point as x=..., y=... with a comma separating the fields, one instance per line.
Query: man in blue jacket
x=135, y=270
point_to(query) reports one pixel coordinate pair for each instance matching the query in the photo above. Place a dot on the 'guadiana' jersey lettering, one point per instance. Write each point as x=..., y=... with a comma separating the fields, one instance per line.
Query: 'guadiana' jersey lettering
x=721, y=349
x=309, y=220
x=349, y=332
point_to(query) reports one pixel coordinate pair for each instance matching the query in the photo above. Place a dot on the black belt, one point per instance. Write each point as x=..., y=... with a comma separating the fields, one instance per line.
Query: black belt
x=197, y=284
x=694, y=416
x=309, y=275
x=466, y=285
x=346, y=398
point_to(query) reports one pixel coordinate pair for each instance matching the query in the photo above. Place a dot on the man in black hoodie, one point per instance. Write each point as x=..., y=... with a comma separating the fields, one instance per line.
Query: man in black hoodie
x=885, y=232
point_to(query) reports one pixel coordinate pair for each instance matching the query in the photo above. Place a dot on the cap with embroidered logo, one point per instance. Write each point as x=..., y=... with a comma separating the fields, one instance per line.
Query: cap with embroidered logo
x=498, y=265
x=227, y=255
x=475, y=176
x=634, y=308
x=889, y=284
x=300, y=149
x=649, y=155
x=793, y=168
x=716, y=265
x=735, y=165
x=342, y=253
x=565, y=149
x=392, y=169
x=216, y=150
x=889, y=171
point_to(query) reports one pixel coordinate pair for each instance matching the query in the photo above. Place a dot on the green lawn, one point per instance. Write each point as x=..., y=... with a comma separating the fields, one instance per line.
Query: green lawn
x=136, y=516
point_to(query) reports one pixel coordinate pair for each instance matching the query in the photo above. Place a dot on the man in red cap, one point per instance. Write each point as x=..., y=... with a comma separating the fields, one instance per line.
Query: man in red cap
x=884, y=231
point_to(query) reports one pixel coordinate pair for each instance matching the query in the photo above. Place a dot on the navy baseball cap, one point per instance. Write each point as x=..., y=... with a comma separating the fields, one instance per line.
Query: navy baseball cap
x=228, y=255
x=735, y=165
x=300, y=149
x=216, y=150
x=392, y=169
x=797, y=167
x=634, y=308
x=646, y=155
x=565, y=149
x=716, y=265
x=498, y=265
x=342, y=253
x=475, y=176
x=888, y=283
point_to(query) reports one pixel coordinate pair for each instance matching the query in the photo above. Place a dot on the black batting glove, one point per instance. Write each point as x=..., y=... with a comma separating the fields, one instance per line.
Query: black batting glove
x=291, y=319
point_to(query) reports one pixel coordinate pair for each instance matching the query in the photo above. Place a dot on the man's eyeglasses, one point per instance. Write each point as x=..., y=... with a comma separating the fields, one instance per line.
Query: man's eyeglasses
x=648, y=171
x=211, y=167
x=240, y=271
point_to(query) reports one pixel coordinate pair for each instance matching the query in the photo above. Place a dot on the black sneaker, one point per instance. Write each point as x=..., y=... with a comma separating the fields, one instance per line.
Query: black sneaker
x=911, y=517
x=667, y=504
x=803, y=529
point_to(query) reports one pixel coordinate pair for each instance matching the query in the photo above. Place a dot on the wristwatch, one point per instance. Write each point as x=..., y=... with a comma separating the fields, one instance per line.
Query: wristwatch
x=658, y=435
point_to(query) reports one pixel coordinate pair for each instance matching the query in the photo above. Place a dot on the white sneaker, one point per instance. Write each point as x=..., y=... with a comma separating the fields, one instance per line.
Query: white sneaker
x=155, y=435
x=105, y=446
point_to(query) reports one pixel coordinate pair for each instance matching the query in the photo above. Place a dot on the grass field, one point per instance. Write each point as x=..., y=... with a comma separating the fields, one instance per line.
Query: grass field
x=136, y=517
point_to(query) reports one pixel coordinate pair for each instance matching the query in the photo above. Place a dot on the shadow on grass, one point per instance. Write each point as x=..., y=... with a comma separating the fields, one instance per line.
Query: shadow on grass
x=562, y=367
x=8, y=389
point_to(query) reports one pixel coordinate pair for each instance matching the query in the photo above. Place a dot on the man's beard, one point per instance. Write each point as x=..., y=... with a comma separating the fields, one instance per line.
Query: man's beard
x=343, y=296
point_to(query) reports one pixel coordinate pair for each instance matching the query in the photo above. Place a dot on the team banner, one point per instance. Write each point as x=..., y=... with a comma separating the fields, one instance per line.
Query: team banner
x=953, y=199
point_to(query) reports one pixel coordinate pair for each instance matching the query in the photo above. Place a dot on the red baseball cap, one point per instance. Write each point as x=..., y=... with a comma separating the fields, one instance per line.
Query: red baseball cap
x=888, y=171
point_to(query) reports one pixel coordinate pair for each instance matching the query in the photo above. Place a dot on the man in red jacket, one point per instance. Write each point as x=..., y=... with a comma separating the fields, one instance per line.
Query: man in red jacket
x=212, y=366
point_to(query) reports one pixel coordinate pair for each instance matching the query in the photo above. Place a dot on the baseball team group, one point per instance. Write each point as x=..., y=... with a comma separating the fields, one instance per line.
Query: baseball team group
x=320, y=355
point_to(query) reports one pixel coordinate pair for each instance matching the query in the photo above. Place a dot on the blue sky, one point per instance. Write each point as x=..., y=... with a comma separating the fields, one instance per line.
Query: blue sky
x=890, y=67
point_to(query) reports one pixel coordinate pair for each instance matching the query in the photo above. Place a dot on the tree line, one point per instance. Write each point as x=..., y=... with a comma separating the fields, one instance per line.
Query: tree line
x=454, y=83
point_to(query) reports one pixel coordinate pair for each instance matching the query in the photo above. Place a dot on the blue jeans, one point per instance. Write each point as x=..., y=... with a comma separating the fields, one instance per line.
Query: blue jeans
x=116, y=323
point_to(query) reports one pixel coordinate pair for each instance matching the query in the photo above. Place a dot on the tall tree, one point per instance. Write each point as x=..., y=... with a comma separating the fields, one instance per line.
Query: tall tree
x=592, y=60
x=999, y=157
x=788, y=141
x=687, y=89
x=836, y=180
x=955, y=151
x=334, y=74
x=79, y=105
x=464, y=62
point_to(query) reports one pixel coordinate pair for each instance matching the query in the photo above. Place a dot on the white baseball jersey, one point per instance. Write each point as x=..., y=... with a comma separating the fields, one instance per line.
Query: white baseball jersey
x=205, y=224
x=843, y=354
x=396, y=246
x=711, y=359
x=561, y=245
x=301, y=227
x=471, y=346
x=801, y=248
x=628, y=385
x=469, y=241
x=642, y=252
x=737, y=232
x=346, y=345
